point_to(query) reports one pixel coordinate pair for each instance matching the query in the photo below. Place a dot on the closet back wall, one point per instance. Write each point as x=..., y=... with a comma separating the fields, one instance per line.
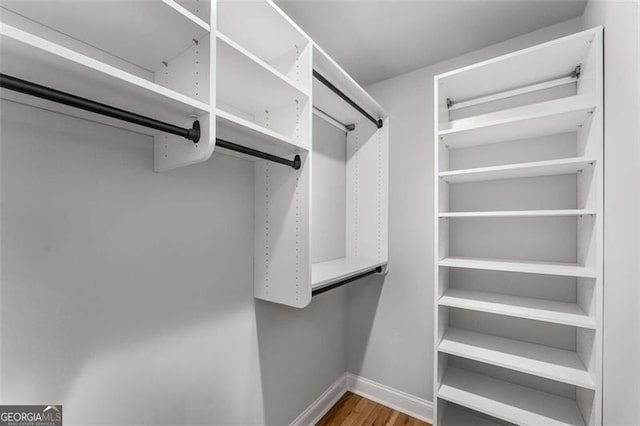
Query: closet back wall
x=127, y=295
x=390, y=326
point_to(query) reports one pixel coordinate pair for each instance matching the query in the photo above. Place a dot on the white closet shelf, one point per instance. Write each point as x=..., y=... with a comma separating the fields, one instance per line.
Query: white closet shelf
x=331, y=104
x=521, y=213
x=254, y=136
x=40, y=61
x=519, y=170
x=253, y=60
x=325, y=273
x=458, y=416
x=545, y=118
x=507, y=401
x=542, y=361
x=554, y=59
x=528, y=267
x=148, y=32
x=250, y=84
x=520, y=307
x=261, y=27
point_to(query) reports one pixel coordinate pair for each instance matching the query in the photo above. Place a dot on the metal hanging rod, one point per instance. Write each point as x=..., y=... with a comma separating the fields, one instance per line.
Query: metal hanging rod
x=295, y=163
x=347, y=99
x=571, y=78
x=33, y=89
x=346, y=281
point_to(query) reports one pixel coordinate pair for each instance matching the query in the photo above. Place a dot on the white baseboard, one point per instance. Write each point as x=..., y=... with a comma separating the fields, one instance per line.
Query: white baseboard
x=393, y=398
x=382, y=394
x=320, y=406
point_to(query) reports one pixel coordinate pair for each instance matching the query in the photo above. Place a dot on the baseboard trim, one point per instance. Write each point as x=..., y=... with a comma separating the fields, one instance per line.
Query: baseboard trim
x=320, y=406
x=393, y=398
x=382, y=394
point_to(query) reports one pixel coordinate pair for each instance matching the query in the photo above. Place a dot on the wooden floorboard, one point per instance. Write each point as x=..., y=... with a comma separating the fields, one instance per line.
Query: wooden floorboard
x=354, y=410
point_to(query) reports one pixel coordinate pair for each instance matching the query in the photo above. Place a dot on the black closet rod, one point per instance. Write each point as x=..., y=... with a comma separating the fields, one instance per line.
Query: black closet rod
x=295, y=163
x=33, y=89
x=347, y=99
x=346, y=281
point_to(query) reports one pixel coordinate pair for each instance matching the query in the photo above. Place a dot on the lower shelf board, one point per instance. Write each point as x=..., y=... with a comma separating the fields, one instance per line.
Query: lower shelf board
x=542, y=361
x=254, y=136
x=331, y=271
x=527, y=267
x=507, y=401
x=458, y=416
x=520, y=307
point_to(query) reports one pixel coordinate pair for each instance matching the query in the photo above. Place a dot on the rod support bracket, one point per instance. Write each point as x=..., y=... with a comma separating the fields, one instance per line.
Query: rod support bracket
x=297, y=163
x=576, y=72
x=379, y=124
x=194, y=132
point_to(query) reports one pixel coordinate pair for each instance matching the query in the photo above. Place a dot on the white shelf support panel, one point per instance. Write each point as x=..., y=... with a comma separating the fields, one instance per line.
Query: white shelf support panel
x=518, y=226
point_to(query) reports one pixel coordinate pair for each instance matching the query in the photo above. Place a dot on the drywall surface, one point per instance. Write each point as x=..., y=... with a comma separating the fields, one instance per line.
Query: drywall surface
x=127, y=295
x=329, y=201
x=391, y=325
x=622, y=207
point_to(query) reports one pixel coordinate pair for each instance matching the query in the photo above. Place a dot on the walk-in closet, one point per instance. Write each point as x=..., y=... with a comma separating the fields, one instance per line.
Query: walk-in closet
x=320, y=212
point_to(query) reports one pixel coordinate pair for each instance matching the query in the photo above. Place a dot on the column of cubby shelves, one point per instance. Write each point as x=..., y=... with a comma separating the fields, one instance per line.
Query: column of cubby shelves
x=518, y=237
x=159, y=64
x=264, y=103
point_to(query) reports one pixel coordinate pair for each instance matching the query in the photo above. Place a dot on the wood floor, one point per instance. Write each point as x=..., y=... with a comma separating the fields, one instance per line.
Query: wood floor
x=354, y=410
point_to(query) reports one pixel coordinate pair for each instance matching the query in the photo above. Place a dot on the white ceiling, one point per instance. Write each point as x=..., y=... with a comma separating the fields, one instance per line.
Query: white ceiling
x=374, y=40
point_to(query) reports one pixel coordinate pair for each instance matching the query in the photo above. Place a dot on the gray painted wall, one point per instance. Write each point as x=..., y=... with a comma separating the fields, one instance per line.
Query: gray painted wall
x=127, y=295
x=391, y=326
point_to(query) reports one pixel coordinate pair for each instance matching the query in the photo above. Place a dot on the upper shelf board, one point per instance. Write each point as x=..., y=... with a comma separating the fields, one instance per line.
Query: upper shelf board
x=554, y=59
x=528, y=267
x=38, y=60
x=229, y=45
x=545, y=118
x=519, y=170
x=248, y=83
x=260, y=27
x=325, y=273
x=519, y=307
x=145, y=33
x=520, y=213
x=331, y=104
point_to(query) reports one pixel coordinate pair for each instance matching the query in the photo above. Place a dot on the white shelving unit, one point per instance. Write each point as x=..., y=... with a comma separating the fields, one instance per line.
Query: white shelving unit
x=159, y=68
x=365, y=164
x=519, y=146
x=144, y=38
x=265, y=98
